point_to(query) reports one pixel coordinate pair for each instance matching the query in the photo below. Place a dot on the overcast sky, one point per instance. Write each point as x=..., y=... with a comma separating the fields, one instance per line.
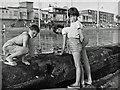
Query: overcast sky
x=104, y=5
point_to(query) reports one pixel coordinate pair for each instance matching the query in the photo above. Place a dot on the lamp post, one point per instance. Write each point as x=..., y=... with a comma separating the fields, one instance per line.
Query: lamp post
x=98, y=23
x=67, y=13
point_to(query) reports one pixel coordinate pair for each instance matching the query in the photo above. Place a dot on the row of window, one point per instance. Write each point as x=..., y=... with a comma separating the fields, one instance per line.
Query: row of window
x=16, y=13
x=4, y=11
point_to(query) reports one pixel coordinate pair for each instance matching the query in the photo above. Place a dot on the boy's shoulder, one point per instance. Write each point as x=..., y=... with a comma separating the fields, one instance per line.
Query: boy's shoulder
x=25, y=34
x=78, y=22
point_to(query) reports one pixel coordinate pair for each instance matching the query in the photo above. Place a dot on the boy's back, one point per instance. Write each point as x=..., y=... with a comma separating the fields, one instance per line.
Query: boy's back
x=18, y=40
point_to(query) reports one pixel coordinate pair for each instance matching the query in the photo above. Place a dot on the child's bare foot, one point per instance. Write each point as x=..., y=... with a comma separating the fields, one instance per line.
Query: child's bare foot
x=75, y=85
x=9, y=61
x=89, y=81
x=26, y=62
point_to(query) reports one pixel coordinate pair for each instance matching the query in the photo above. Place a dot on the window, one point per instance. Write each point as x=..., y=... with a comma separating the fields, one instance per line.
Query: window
x=43, y=15
x=36, y=15
x=46, y=16
x=87, y=18
x=83, y=17
x=2, y=11
x=59, y=17
x=15, y=13
x=24, y=13
x=54, y=15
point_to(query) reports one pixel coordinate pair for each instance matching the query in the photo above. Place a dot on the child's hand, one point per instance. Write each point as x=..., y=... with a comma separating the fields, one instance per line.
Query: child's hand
x=81, y=39
x=61, y=53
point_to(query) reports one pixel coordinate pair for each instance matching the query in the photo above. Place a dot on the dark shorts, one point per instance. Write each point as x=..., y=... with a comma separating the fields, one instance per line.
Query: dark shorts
x=75, y=44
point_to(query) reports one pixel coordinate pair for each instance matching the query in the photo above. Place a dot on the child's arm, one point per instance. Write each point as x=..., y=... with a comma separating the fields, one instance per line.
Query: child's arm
x=25, y=41
x=81, y=35
x=64, y=43
x=31, y=46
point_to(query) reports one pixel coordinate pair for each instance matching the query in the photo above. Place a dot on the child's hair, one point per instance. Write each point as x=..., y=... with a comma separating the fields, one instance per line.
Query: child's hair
x=34, y=27
x=55, y=27
x=73, y=11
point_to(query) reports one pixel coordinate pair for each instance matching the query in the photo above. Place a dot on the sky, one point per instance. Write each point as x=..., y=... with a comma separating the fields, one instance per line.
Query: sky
x=104, y=5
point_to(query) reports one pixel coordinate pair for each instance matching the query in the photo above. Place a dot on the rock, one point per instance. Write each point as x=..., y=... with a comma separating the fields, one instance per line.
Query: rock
x=49, y=70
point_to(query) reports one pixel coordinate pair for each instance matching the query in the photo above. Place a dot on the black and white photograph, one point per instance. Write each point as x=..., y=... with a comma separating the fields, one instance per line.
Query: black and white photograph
x=60, y=44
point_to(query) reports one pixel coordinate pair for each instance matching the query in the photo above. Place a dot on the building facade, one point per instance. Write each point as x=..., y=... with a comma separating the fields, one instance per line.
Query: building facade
x=118, y=16
x=51, y=15
x=10, y=15
x=57, y=15
x=86, y=19
x=104, y=17
x=118, y=7
x=26, y=12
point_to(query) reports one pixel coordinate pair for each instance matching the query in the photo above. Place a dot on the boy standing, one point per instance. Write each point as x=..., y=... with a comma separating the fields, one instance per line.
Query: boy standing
x=19, y=46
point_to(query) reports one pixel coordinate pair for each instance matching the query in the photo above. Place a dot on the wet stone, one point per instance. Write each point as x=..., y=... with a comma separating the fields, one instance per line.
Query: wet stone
x=50, y=70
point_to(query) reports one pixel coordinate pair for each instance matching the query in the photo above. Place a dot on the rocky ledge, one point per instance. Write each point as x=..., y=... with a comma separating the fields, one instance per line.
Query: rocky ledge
x=51, y=71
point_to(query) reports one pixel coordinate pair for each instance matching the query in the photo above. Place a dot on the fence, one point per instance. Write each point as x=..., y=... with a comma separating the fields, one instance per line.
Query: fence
x=49, y=41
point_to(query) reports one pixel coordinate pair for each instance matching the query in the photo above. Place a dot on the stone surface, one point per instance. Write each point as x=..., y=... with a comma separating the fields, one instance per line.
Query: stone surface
x=50, y=70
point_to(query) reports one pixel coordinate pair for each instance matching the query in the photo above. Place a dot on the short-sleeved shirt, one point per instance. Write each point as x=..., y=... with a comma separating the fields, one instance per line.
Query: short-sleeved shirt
x=73, y=30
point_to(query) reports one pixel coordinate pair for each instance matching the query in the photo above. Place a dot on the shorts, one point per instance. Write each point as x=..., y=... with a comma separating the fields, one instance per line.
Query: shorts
x=11, y=49
x=75, y=44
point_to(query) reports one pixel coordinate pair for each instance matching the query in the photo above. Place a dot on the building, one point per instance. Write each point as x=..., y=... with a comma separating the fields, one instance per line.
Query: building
x=104, y=17
x=26, y=12
x=86, y=19
x=118, y=7
x=118, y=16
x=29, y=7
x=10, y=15
x=49, y=16
x=57, y=15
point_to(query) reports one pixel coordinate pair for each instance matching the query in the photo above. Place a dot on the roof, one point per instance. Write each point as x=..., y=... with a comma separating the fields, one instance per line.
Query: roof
x=26, y=2
x=14, y=7
x=60, y=8
x=4, y=8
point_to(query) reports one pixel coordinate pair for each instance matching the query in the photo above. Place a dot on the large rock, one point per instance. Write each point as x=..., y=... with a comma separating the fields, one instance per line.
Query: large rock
x=49, y=70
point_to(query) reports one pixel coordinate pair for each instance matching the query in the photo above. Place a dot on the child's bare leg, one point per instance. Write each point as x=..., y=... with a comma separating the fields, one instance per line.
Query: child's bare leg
x=19, y=52
x=76, y=56
x=82, y=75
x=87, y=65
x=25, y=61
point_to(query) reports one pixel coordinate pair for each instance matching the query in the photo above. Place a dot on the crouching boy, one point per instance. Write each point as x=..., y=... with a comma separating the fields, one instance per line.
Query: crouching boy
x=19, y=46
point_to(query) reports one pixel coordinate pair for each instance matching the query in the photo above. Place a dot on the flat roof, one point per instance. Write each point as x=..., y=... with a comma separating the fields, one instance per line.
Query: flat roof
x=26, y=2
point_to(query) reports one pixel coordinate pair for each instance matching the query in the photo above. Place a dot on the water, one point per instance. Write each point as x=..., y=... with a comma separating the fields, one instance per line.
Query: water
x=48, y=40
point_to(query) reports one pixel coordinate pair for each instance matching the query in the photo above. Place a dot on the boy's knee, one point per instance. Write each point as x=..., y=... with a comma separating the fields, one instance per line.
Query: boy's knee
x=24, y=50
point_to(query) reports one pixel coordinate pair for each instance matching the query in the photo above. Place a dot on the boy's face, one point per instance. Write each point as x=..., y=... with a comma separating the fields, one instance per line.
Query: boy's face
x=33, y=33
x=73, y=18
